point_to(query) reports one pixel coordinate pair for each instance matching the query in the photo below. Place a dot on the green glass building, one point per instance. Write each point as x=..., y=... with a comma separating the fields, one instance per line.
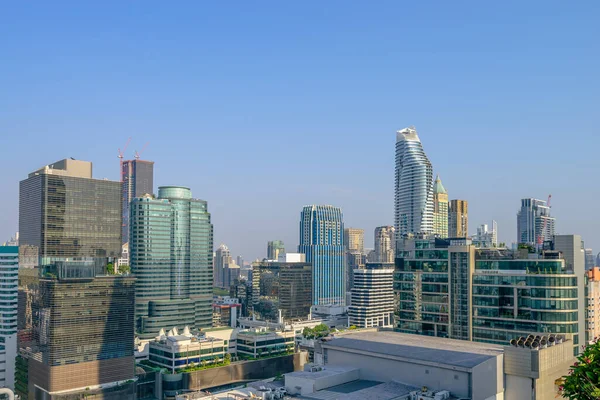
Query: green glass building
x=448, y=288
x=171, y=245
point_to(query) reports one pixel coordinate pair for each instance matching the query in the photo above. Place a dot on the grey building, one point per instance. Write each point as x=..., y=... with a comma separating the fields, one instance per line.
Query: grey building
x=77, y=323
x=137, y=179
x=275, y=248
x=282, y=288
x=385, y=244
x=534, y=223
x=170, y=249
x=590, y=260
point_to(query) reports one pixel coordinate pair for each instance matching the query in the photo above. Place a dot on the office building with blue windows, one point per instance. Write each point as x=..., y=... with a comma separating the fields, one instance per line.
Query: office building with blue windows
x=171, y=247
x=322, y=240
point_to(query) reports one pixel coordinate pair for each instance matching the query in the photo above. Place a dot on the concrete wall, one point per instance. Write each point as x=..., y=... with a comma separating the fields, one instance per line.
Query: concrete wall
x=384, y=370
x=518, y=388
x=243, y=371
x=304, y=386
x=487, y=379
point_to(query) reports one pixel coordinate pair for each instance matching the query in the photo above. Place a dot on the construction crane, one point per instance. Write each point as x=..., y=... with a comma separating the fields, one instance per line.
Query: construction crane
x=138, y=155
x=543, y=231
x=124, y=148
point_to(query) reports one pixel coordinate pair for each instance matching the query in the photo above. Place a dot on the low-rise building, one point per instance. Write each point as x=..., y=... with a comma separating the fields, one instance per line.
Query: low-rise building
x=254, y=343
x=226, y=311
x=176, y=351
x=592, y=304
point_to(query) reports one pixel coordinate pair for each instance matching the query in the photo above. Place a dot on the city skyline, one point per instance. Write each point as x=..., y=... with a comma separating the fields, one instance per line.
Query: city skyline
x=195, y=91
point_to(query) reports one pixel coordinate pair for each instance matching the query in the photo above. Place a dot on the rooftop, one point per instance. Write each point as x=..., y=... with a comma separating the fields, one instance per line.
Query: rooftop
x=456, y=353
x=325, y=372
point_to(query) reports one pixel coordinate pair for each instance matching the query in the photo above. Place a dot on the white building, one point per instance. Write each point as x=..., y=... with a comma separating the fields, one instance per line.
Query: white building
x=413, y=199
x=9, y=276
x=372, y=296
x=385, y=244
x=534, y=222
x=124, y=259
x=485, y=237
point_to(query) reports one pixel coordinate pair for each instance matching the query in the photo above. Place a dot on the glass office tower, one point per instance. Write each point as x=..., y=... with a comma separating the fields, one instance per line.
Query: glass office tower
x=322, y=241
x=171, y=247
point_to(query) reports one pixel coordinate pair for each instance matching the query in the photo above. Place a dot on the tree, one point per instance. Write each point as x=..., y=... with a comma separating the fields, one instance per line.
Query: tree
x=583, y=380
x=227, y=359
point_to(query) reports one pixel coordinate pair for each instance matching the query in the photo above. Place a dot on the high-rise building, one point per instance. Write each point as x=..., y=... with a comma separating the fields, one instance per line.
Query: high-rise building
x=450, y=289
x=385, y=244
x=225, y=269
x=275, y=248
x=486, y=237
x=322, y=240
x=592, y=304
x=70, y=228
x=9, y=275
x=440, y=209
x=137, y=179
x=354, y=239
x=354, y=259
x=372, y=302
x=590, y=260
x=458, y=219
x=170, y=251
x=414, y=185
x=432, y=286
x=282, y=288
x=534, y=222
x=239, y=261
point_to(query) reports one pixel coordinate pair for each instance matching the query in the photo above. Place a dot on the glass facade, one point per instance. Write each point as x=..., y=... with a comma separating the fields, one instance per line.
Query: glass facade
x=413, y=201
x=65, y=216
x=322, y=241
x=171, y=244
x=137, y=179
x=520, y=297
x=282, y=286
x=85, y=320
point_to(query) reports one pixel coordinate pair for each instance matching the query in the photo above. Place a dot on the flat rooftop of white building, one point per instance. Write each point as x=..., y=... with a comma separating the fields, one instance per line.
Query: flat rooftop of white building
x=325, y=372
x=459, y=353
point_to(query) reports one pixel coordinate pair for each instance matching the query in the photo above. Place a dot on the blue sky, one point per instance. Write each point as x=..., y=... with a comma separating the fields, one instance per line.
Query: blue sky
x=263, y=107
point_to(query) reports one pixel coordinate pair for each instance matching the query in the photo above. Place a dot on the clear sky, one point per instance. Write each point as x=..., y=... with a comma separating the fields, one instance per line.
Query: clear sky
x=263, y=107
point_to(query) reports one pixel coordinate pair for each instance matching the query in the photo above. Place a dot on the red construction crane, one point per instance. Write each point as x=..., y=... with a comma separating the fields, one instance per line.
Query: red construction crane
x=138, y=155
x=124, y=148
x=543, y=231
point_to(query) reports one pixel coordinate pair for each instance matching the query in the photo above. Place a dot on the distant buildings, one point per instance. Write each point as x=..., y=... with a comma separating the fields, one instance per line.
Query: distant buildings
x=534, y=223
x=13, y=241
x=170, y=249
x=590, y=260
x=440, y=209
x=385, y=244
x=372, y=302
x=72, y=224
x=354, y=241
x=282, y=289
x=137, y=179
x=458, y=219
x=275, y=248
x=485, y=237
x=9, y=276
x=226, y=271
x=322, y=240
x=413, y=197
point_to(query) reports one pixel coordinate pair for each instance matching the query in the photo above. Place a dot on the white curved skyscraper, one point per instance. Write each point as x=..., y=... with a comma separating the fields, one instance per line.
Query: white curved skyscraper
x=414, y=185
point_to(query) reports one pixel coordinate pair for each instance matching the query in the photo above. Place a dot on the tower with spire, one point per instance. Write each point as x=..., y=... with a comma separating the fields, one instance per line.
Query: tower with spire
x=440, y=209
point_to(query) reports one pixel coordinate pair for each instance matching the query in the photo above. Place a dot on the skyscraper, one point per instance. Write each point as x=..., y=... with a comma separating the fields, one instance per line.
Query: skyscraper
x=170, y=251
x=414, y=185
x=458, y=219
x=440, y=209
x=275, y=248
x=385, y=244
x=322, y=240
x=137, y=179
x=534, y=222
x=70, y=227
x=9, y=273
x=354, y=239
x=222, y=259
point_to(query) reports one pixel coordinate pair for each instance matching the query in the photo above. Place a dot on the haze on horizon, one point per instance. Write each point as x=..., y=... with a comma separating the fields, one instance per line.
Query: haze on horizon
x=261, y=110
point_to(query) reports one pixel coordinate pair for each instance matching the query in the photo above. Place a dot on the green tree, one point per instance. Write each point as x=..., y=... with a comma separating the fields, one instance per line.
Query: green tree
x=227, y=359
x=583, y=380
